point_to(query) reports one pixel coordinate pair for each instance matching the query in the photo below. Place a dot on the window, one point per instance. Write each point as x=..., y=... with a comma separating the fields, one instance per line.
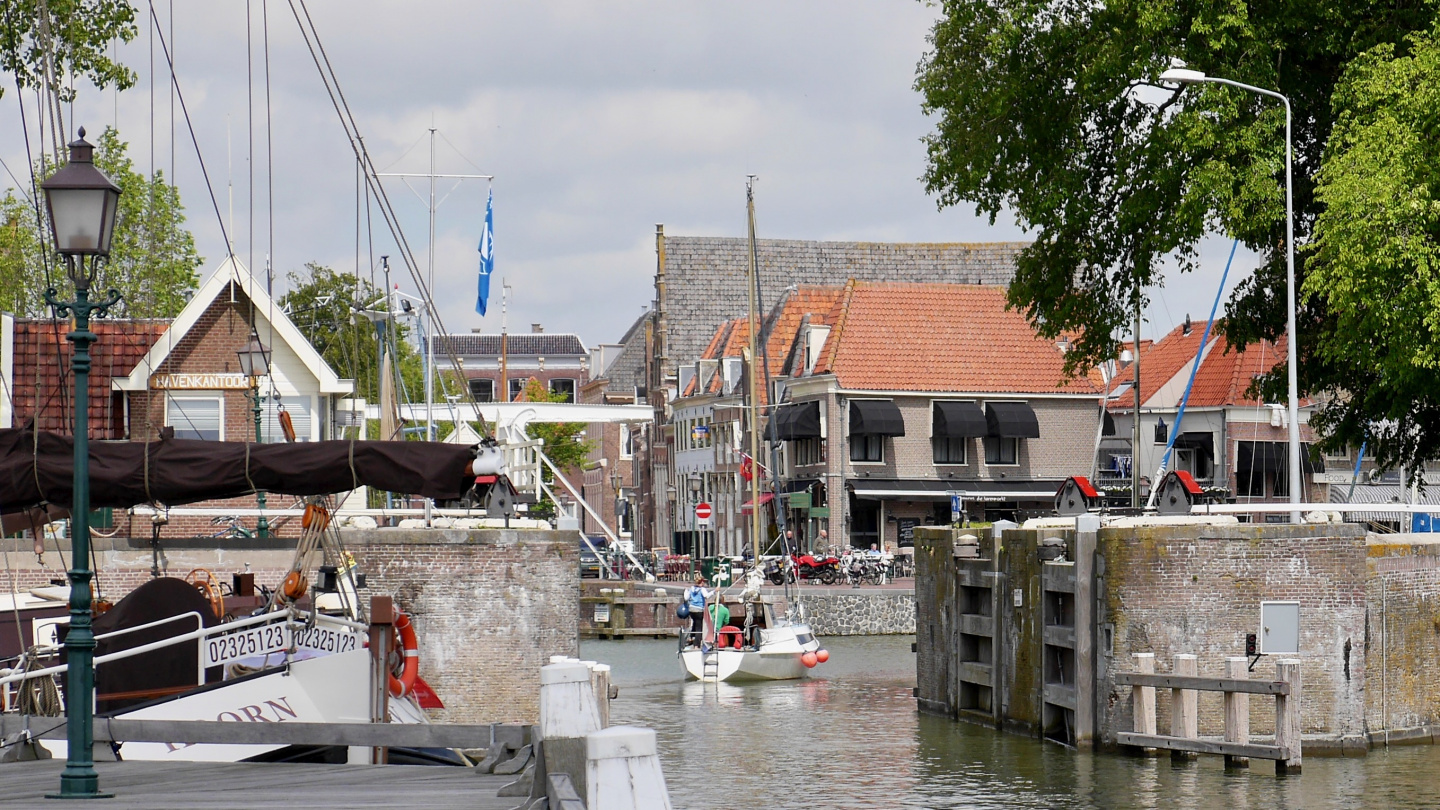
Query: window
x=627, y=442
x=299, y=410
x=809, y=451
x=867, y=448
x=1343, y=454
x=565, y=386
x=517, y=387
x=1280, y=485
x=196, y=417
x=1250, y=483
x=482, y=389
x=949, y=450
x=1000, y=450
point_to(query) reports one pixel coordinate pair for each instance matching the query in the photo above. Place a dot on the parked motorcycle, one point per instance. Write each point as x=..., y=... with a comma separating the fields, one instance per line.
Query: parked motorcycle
x=826, y=569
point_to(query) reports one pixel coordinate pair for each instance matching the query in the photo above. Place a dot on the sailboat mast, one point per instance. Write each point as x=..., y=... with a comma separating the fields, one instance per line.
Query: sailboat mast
x=755, y=522
x=429, y=315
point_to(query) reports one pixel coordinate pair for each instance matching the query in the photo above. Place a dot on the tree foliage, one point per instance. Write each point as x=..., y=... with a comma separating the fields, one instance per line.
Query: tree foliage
x=153, y=261
x=75, y=35
x=1041, y=112
x=565, y=443
x=323, y=304
x=1375, y=259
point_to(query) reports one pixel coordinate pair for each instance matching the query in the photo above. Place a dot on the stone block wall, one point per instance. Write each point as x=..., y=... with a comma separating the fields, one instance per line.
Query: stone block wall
x=1198, y=589
x=1402, y=640
x=862, y=613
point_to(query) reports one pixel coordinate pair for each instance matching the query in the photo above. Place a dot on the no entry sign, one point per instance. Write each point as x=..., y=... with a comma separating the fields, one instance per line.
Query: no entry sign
x=702, y=511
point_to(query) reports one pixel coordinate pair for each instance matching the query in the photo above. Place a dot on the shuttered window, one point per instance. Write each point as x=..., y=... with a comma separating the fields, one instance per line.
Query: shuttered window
x=196, y=417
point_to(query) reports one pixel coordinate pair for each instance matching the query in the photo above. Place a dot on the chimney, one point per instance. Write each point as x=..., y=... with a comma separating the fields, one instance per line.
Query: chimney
x=536, y=328
x=1185, y=327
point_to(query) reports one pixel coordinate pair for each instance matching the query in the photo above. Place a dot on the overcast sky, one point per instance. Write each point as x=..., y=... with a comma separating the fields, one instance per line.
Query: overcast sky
x=597, y=120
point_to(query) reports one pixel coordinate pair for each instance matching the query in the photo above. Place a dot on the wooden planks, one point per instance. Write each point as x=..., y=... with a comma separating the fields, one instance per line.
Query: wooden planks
x=246, y=786
x=1247, y=686
x=394, y=735
x=1197, y=746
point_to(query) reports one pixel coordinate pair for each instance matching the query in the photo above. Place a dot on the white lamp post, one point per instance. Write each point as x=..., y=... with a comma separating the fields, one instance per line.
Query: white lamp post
x=1187, y=76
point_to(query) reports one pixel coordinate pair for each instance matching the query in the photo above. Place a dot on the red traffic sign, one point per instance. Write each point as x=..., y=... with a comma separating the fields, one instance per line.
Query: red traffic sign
x=702, y=511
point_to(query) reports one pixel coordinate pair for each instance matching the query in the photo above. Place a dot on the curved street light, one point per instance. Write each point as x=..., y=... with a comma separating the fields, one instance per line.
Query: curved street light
x=1185, y=76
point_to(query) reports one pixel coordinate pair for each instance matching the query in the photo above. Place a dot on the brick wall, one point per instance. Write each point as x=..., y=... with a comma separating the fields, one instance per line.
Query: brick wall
x=1402, y=642
x=490, y=606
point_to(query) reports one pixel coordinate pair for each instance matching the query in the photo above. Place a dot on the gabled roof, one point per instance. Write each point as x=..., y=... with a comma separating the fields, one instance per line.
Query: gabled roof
x=520, y=344
x=1222, y=380
x=888, y=336
x=270, y=320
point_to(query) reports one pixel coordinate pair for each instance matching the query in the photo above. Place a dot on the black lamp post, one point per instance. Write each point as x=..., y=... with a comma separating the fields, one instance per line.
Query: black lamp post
x=255, y=363
x=81, y=202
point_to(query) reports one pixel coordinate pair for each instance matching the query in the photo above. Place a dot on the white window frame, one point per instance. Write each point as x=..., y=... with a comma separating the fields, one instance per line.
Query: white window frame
x=627, y=442
x=215, y=396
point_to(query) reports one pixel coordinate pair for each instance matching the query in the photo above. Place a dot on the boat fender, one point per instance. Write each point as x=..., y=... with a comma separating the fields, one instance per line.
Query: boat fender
x=405, y=636
x=809, y=660
x=287, y=426
x=822, y=655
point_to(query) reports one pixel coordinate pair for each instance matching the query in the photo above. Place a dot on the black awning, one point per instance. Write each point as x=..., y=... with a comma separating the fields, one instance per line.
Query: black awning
x=1011, y=420
x=959, y=420
x=1272, y=457
x=875, y=417
x=800, y=421
x=1109, y=428
x=1202, y=441
x=776, y=428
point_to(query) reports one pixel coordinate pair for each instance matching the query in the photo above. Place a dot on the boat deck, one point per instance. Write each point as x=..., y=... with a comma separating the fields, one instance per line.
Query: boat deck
x=246, y=786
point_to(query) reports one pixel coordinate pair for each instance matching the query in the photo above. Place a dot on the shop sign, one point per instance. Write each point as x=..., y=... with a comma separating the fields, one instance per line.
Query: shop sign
x=200, y=382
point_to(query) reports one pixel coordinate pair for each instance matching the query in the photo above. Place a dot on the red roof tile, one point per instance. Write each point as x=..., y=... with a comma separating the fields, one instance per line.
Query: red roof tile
x=43, y=384
x=940, y=337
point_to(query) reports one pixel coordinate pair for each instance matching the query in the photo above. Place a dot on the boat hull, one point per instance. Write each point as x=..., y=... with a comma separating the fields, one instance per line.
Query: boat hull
x=778, y=658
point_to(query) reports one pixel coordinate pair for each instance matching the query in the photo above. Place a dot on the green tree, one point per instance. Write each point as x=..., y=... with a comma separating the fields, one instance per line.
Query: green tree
x=565, y=444
x=1039, y=114
x=1375, y=260
x=44, y=42
x=153, y=261
x=322, y=303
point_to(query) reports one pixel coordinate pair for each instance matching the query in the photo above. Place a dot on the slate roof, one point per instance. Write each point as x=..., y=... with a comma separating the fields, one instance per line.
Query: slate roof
x=940, y=337
x=522, y=344
x=43, y=383
x=705, y=276
x=627, y=372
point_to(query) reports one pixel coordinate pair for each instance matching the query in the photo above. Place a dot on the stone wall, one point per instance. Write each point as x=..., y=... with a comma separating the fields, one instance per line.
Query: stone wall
x=490, y=606
x=1401, y=651
x=862, y=613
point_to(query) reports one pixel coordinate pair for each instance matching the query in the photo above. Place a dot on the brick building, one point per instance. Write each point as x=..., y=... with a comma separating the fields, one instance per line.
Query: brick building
x=888, y=397
x=181, y=376
x=507, y=362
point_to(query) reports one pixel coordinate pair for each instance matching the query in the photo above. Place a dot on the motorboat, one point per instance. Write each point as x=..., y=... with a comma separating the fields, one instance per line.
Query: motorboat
x=778, y=649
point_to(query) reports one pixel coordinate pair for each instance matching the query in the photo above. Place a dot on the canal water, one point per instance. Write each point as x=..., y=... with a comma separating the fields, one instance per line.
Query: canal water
x=849, y=737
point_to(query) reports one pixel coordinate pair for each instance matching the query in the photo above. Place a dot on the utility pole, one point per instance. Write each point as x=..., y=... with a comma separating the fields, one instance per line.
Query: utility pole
x=1135, y=499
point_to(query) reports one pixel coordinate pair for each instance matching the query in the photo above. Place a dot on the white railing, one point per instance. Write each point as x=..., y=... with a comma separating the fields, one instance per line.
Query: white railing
x=288, y=616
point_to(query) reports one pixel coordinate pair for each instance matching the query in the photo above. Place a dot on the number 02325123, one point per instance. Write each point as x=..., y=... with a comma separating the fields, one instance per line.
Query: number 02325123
x=273, y=638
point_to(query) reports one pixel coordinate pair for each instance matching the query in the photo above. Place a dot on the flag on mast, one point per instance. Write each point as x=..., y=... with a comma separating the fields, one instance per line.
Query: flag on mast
x=487, y=255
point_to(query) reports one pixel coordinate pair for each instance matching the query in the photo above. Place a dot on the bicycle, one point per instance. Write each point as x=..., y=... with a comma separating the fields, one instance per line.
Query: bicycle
x=233, y=528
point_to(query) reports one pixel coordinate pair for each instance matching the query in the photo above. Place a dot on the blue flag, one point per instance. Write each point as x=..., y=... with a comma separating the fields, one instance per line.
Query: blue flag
x=487, y=255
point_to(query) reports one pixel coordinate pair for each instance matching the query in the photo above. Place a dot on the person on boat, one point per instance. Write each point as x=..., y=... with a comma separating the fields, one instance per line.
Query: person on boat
x=695, y=598
x=750, y=597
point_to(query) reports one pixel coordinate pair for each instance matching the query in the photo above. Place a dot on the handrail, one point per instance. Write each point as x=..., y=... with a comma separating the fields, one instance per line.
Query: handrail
x=586, y=506
x=289, y=615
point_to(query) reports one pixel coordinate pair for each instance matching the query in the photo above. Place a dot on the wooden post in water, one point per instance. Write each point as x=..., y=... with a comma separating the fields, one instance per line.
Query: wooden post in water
x=1142, y=698
x=568, y=712
x=1237, y=711
x=1184, y=706
x=1287, y=716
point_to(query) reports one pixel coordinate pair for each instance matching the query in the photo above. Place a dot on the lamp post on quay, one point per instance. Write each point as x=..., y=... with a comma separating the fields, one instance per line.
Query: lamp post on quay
x=1187, y=76
x=81, y=202
x=255, y=363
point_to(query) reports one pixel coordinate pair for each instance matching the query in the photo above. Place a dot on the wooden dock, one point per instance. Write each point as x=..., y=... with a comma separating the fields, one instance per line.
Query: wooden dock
x=246, y=786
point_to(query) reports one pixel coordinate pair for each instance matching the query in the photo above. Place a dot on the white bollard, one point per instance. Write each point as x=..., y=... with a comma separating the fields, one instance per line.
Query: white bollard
x=569, y=712
x=622, y=771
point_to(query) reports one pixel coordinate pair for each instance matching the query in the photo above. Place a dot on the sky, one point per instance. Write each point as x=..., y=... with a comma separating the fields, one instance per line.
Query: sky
x=597, y=120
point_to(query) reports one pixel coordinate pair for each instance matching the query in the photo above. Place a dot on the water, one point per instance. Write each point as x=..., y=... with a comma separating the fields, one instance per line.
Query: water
x=850, y=738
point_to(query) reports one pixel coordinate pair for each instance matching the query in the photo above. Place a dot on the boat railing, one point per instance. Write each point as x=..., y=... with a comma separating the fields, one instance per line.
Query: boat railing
x=290, y=616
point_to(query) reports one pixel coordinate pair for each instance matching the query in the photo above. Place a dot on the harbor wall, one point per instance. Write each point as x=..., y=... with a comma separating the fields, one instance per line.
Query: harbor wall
x=490, y=606
x=1010, y=637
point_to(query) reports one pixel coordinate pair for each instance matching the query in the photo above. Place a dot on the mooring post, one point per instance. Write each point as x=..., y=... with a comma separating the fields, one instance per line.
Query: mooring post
x=1184, y=706
x=568, y=713
x=382, y=634
x=622, y=771
x=1287, y=716
x=1237, y=711
x=1142, y=698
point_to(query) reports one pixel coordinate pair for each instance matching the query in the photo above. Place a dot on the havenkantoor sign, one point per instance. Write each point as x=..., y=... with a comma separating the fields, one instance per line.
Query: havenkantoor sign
x=199, y=382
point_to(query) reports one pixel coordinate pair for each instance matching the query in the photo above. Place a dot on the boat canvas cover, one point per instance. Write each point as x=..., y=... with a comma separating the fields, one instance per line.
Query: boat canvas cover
x=39, y=468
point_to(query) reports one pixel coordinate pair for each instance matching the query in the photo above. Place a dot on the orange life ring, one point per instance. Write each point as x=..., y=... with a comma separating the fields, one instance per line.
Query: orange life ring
x=405, y=636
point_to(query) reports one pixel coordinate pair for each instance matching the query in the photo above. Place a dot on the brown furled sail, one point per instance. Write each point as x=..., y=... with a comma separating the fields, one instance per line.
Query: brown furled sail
x=36, y=470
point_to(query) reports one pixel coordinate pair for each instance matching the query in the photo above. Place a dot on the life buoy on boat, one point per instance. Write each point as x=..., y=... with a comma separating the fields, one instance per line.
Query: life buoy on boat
x=405, y=637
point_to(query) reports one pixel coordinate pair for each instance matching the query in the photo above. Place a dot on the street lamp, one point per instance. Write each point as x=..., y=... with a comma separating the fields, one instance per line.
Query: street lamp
x=1186, y=76
x=81, y=202
x=255, y=363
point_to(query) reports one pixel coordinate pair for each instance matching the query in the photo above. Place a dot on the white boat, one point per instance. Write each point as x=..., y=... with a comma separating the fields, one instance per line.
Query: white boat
x=778, y=657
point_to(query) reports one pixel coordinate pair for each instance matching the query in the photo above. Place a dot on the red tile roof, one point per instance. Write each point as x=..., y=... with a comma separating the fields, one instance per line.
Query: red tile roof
x=42, y=379
x=1162, y=360
x=940, y=337
x=1224, y=375
x=781, y=327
